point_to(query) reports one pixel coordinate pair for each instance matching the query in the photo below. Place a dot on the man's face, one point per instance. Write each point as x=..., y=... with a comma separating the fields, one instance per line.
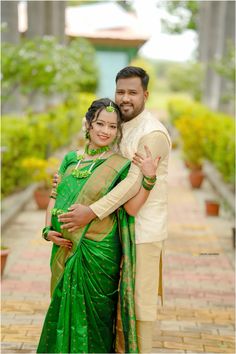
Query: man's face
x=130, y=97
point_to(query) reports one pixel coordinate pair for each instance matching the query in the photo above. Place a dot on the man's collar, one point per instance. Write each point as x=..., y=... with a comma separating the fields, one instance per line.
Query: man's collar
x=135, y=121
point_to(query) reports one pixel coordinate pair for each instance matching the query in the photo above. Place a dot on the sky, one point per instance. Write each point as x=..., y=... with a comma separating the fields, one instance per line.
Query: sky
x=162, y=46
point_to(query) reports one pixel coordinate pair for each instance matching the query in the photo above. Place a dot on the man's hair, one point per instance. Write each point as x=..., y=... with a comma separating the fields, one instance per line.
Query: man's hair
x=134, y=71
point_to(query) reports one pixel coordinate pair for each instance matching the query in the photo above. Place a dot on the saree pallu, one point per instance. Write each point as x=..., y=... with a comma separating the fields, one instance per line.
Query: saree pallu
x=84, y=287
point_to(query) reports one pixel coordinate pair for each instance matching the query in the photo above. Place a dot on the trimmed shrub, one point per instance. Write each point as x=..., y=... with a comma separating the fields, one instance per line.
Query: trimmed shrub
x=205, y=135
x=38, y=135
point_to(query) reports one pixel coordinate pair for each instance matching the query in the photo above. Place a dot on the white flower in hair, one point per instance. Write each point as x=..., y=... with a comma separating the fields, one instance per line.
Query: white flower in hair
x=83, y=124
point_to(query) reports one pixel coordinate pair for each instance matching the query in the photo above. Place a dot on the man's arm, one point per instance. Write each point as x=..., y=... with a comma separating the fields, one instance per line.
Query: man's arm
x=148, y=166
x=158, y=145
x=80, y=215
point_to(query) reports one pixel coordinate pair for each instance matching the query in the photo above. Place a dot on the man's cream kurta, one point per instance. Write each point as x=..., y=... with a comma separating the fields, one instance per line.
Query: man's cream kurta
x=151, y=220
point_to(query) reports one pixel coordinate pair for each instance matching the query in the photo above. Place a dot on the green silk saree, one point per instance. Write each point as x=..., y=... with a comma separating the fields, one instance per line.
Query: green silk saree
x=83, y=316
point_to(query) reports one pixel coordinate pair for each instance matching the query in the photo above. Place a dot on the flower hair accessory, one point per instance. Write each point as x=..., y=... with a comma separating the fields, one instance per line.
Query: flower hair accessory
x=110, y=108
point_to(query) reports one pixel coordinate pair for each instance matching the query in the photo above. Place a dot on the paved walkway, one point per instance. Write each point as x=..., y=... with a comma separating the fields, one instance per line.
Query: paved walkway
x=198, y=314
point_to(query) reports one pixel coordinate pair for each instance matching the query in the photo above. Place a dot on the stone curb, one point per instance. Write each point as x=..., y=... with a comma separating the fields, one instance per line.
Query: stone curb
x=219, y=185
x=13, y=204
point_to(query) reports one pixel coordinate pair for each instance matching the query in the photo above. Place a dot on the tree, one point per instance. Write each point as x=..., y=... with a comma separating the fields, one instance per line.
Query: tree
x=186, y=78
x=43, y=65
x=185, y=16
x=127, y=5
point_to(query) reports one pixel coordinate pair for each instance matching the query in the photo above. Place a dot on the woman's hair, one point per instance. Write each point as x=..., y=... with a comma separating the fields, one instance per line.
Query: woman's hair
x=97, y=107
x=134, y=71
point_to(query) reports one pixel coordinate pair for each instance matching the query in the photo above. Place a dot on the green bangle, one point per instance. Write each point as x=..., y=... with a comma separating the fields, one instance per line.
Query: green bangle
x=150, y=179
x=54, y=193
x=52, y=196
x=45, y=232
x=149, y=183
x=147, y=186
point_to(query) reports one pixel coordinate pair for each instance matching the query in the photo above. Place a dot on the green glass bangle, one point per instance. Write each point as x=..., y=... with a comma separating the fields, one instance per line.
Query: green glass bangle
x=147, y=186
x=52, y=196
x=45, y=232
x=149, y=183
x=54, y=192
x=150, y=179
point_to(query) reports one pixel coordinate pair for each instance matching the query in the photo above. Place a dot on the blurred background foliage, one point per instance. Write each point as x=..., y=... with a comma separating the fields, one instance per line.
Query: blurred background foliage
x=47, y=67
x=225, y=67
x=44, y=66
x=187, y=77
x=38, y=135
x=185, y=13
x=205, y=134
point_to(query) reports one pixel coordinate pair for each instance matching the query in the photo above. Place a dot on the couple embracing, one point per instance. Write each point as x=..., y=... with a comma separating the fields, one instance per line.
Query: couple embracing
x=107, y=220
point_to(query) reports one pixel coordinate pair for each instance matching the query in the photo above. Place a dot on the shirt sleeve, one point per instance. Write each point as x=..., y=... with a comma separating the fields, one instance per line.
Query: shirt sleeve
x=158, y=144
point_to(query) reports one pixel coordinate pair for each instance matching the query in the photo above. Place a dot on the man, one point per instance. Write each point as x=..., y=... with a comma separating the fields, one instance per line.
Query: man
x=140, y=129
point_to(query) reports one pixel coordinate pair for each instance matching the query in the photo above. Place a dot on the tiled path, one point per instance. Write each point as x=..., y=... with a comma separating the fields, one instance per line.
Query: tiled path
x=198, y=314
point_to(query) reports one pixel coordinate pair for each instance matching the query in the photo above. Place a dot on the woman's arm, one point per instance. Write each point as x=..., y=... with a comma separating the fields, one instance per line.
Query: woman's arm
x=148, y=167
x=48, y=234
x=49, y=209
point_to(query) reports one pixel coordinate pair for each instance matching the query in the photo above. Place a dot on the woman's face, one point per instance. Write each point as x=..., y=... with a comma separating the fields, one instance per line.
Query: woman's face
x=103, y=130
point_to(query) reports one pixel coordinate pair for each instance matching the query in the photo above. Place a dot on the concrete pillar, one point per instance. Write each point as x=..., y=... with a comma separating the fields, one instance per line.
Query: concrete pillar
x=228, y=87
x=46, y=18
x=217, y=25
x=203, y=25
x=55, y=19
x=217, y=36
x=36, y=19
x=9, y=17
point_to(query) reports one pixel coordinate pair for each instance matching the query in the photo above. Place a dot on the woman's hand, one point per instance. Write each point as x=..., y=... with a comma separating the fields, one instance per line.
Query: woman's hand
x=147, y=164
x=56, y=237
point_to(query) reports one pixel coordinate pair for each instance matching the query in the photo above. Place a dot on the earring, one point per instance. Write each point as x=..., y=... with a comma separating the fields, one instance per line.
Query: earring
x=87, y=135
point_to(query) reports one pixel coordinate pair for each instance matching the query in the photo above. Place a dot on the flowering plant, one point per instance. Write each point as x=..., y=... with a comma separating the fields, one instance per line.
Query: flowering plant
x=192, y=135
x=41, y=170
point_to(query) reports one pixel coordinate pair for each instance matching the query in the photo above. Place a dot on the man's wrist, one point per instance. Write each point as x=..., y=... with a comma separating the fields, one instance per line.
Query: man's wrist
x=92, y=215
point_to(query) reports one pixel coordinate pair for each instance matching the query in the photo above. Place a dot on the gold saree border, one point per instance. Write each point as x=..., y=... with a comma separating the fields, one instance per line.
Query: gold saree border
x=97, y=185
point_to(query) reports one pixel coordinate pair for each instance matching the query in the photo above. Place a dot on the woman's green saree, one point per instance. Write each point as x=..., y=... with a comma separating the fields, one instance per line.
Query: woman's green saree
x=84, y=287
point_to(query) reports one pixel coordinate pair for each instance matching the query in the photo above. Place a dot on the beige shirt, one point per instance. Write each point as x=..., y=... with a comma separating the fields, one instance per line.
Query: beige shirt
x=159, y=145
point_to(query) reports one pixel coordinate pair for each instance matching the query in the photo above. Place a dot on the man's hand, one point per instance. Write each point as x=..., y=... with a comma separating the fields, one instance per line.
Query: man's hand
x=78, y=216
x=56, y=237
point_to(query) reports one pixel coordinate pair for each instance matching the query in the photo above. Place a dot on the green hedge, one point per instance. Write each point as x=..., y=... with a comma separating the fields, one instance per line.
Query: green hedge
x=38, y=135
x=205, y=135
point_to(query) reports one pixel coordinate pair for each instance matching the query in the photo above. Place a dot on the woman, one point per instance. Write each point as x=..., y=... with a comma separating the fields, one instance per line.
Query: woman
x=85, y=264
